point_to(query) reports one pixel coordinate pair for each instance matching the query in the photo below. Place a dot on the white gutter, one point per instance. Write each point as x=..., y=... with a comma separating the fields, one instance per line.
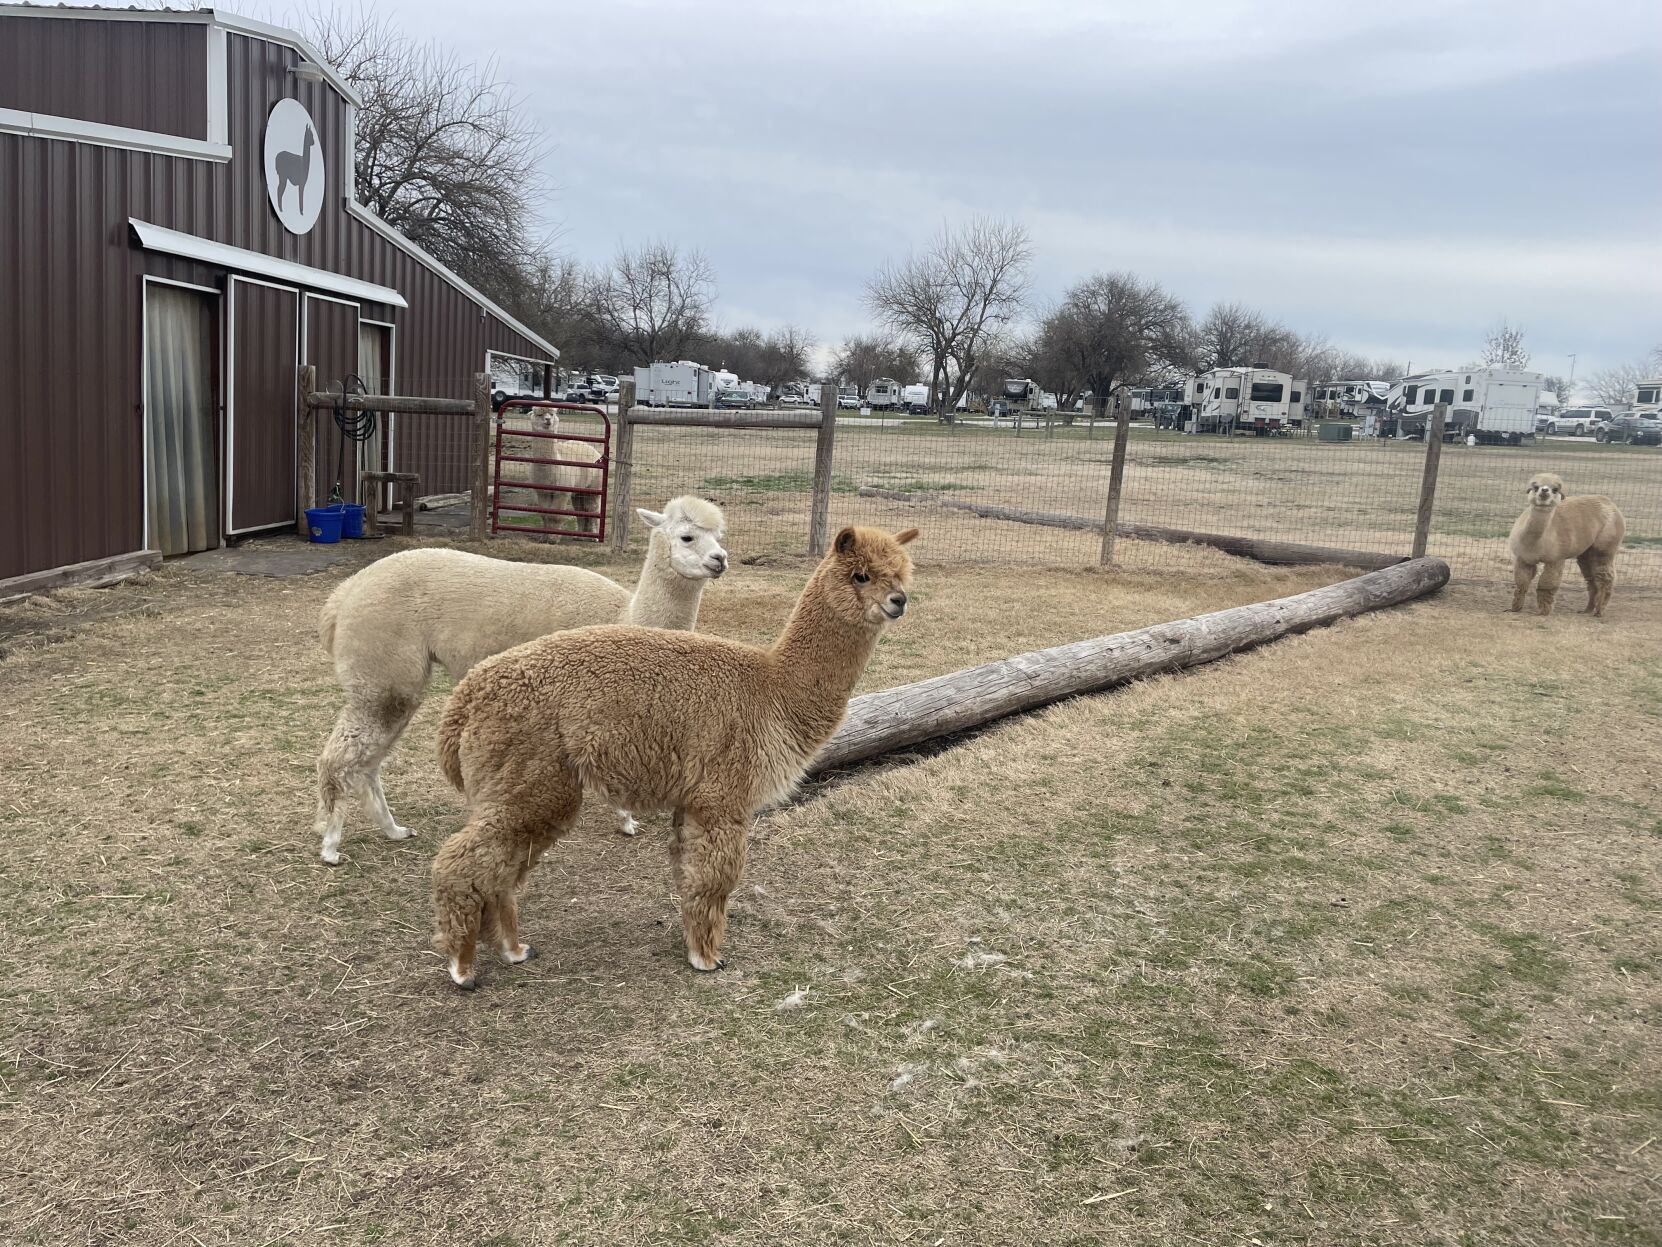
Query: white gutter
x=222, y=255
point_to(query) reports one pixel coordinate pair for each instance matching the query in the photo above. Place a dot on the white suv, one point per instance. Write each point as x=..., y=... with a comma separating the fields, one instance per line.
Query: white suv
x=1577, y=421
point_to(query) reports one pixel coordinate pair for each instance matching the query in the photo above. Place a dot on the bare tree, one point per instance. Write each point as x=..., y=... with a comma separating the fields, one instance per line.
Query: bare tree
x=1110, y=329
x=445, y=153
x=864, y=357
x=1503, y=347
x=785, y=355
x=1610, y=386
x=946, y=299
x=651, y=304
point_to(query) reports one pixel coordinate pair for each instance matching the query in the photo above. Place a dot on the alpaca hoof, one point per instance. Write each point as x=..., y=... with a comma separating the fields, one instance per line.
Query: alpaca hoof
x=706, y=965
x=629, y=827
x=395, y=832
x=527, y=952
x=330, y=857
x=466, y=982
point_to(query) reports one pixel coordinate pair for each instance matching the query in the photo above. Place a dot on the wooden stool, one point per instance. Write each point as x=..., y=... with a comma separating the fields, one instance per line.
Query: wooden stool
x=370, y=483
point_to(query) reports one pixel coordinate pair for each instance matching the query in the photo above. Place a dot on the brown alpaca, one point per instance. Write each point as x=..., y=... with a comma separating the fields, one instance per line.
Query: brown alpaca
x=709, y=729
x=1553, y=528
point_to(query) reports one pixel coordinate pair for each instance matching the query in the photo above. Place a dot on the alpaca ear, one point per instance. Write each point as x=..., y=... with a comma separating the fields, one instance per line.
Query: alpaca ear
x=911, y=534
x=650, y=518
x=845, y=541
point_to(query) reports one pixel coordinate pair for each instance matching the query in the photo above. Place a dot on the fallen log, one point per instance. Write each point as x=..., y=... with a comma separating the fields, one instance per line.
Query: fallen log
x=880, y=722
x=1276, y=553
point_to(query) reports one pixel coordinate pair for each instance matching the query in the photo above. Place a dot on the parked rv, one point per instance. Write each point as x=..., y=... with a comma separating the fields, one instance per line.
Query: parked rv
x=1228, y=400
x=883, y=394
x=1488, y=404
x=1646, y=395
x=915, y=399
x=1349, y=399
x=1022, y=394
x=674, y=385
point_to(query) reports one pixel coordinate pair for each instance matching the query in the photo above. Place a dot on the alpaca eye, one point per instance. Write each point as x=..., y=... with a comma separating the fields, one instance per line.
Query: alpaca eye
x=687, y=537
x=860, y=578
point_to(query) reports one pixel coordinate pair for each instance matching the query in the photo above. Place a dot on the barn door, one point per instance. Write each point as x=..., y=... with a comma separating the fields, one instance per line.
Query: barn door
x=265, y=337
x=181, y=419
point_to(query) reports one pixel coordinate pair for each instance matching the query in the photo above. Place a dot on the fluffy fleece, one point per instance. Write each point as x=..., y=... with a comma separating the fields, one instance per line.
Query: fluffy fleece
x=566, y=475
x=386, y=626
x=1588, y=529
x=709, y=729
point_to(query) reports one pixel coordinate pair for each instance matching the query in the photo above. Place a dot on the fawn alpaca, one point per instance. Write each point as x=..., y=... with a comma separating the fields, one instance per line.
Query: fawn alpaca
x=709, y=729
x=1553, y=528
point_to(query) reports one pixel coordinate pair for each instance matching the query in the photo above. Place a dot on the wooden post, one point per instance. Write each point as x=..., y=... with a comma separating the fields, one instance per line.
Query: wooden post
x=479, y=529
x=305, y=452
x=548, y=381
x=623, y=464
x=819, y=512
x=1428, y=481
x=1116, y=478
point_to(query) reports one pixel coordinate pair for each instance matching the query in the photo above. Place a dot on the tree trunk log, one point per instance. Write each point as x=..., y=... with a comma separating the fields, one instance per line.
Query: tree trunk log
x=1277, y=553
x=880, y=722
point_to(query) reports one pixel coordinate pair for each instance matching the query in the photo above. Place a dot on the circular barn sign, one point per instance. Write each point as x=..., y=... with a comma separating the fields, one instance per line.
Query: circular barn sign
x=293, y=166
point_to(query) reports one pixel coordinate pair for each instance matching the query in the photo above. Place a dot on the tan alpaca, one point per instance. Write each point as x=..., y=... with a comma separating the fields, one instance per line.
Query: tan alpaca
x=388, y=625
x=709, y=729
x=1553, y=528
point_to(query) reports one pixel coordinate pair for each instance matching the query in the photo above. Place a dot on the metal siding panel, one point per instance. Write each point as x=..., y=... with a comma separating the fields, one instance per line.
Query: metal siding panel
x=151, y=75
x=267, y=324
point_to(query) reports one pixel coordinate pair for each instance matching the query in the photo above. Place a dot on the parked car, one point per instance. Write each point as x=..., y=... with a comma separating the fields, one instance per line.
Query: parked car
x=1575, y=421
x=917, y=409
x=999, y=409
x=847, y=402
x=732, y=396
x=1637, y=428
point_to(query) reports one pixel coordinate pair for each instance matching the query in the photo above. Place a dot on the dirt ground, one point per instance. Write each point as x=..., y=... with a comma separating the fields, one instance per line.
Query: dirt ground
x=1351, y=939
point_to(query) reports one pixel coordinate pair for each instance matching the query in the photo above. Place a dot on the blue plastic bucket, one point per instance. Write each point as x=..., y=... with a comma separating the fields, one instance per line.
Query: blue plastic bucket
x=324, y=524
x=352, y=520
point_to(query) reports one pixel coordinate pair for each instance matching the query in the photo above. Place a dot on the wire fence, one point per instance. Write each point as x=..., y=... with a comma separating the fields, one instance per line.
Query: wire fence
x=958, y=481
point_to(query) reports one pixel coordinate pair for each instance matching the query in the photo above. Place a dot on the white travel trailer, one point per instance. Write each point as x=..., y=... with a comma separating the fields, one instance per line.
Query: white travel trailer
x=684, y=384
x=1489, y=404
x=914, y=396
x=1231, y=399
x=1022, y=394
x=1349, y=398
x=884, y=394
x=1646, y=396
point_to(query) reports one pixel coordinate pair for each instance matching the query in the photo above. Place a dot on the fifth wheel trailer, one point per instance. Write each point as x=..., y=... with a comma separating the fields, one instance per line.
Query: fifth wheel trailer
x=1493, y=405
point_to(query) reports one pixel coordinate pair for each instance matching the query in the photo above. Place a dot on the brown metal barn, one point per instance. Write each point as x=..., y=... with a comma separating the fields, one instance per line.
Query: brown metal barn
x=178, y=232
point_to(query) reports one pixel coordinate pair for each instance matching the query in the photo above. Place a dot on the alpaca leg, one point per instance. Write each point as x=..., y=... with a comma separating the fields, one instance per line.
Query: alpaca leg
x=1522, y=575
x=1603, y=584
x=627, y=824
x=505, y=909
x=1552, y=574
x=395, y=714
x=353, y=751
x=710, y=863
x=1588, y=561
x=477, y=870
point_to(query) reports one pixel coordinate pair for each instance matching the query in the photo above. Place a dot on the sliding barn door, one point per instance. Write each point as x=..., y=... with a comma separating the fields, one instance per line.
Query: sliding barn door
x=181, y=419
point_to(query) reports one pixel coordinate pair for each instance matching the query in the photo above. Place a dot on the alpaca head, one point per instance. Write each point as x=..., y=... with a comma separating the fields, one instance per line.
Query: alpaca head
x=1545, y=490
x=867, y=574
x=690, y=529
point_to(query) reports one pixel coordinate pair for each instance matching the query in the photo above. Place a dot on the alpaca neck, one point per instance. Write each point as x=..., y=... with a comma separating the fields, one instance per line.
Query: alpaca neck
x=1540, y=519
x=664, y=598
x=820, y=658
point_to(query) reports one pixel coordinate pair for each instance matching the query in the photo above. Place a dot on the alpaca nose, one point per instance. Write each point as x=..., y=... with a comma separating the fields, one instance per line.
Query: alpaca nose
x=716, y=562
x=897, y=600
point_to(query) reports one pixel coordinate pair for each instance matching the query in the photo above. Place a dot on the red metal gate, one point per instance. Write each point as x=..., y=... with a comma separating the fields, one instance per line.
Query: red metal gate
x=601, y=465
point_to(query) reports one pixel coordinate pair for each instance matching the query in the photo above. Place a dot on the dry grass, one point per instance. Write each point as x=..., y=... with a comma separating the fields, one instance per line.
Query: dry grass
x=1350, y=940
x=1359, y=495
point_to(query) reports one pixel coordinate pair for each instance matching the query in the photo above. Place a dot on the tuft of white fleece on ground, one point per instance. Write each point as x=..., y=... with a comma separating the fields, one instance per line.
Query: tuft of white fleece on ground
x=795, y=1000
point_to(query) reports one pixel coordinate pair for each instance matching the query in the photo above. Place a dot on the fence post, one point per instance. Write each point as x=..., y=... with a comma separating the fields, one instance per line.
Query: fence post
x=623, y=464
x=479, y=529
x=1116, y=478
x=305, y=450
x=819, y=513
x=1428, y=481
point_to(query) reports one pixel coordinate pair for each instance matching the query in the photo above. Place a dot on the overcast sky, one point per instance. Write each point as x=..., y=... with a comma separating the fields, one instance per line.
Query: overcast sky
x=1398, y=176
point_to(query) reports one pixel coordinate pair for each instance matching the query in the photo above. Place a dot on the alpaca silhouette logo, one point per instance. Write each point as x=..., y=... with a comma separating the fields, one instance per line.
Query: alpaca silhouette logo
x=294, y=166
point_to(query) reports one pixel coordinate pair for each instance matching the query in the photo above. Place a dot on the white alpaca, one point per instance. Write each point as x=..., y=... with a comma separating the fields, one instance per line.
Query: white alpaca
x=547, y=420
x=386, y=626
